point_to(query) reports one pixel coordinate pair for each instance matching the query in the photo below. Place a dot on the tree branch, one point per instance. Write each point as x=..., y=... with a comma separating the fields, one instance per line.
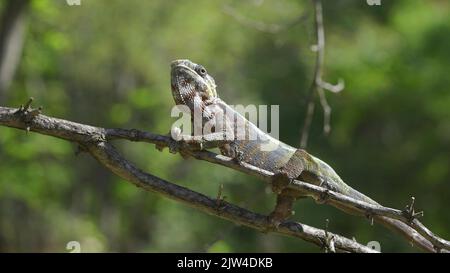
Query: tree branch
x=95, y=140
x=85, y=134
x=261, y=26
x=418, y=233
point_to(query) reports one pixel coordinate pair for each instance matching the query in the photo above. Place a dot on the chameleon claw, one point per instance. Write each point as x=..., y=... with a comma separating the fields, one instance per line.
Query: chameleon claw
x=160, y=146
x=174, y=146
x=238, y=156
x=201, y=145
x=323, y=197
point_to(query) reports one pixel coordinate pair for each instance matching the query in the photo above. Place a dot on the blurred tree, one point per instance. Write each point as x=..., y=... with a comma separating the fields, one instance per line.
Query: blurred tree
x=12, y=30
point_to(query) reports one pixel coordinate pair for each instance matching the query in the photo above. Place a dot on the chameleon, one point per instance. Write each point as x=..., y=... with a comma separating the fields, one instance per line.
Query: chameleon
x=193, y=88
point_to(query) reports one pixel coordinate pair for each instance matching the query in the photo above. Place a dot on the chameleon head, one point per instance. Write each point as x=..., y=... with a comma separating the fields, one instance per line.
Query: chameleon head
x=190, y=80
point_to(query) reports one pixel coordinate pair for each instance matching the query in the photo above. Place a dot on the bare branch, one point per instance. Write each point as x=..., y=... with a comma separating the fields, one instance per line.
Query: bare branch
x=261, y=26
x=85, y=134
x=334, y=88
x=318, y=85
x=94, y=140
x=391, y=218
x=308, y=120
x=326, y=111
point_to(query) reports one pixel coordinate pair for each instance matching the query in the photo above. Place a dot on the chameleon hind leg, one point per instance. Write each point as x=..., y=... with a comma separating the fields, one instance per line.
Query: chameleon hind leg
x=283, y=208
x=285, y=196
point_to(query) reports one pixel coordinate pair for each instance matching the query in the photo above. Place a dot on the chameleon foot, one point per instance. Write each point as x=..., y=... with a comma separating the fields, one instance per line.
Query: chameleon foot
x=238, y=156
x=282, y=211
x=173, y=145
x=181, y=144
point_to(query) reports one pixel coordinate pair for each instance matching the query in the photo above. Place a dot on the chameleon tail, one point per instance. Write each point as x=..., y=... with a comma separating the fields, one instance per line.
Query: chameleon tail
x=395, y=225
x=337, y=184
x=407, y=232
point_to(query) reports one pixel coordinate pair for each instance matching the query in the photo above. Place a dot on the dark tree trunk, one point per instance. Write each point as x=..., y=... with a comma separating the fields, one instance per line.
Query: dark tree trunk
x=12, y=28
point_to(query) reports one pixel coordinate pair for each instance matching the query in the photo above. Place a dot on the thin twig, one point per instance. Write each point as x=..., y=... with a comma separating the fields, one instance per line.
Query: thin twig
x=318, y=85
x=308, y=120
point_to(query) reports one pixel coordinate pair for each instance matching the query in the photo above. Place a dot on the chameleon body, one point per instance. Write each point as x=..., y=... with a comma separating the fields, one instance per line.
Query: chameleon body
x=193, y=87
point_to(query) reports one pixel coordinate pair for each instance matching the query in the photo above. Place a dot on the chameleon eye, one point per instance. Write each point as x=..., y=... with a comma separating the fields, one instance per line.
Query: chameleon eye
x=201, y=71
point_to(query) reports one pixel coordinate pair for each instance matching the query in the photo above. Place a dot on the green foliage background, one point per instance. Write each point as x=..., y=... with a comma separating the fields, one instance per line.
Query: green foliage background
x=106, y=63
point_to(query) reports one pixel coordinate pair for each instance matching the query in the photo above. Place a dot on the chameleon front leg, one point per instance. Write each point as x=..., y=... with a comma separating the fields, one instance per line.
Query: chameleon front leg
x=181, y=142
